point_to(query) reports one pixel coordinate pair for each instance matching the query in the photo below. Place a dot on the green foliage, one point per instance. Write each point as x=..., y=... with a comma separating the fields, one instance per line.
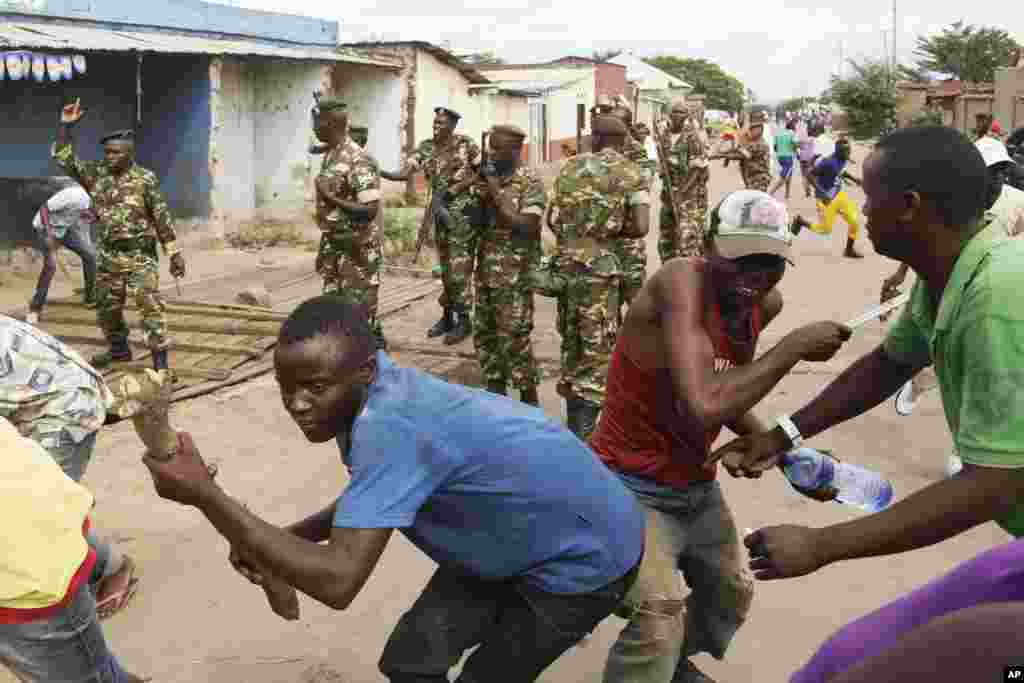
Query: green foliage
x=401, y=227
x=797, y=104
x=926, y=118
x=720, y=89
x=966, y=52
x=868, y=97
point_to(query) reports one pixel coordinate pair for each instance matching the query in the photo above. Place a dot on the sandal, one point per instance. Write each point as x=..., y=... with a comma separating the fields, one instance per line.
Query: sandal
x=118, y=600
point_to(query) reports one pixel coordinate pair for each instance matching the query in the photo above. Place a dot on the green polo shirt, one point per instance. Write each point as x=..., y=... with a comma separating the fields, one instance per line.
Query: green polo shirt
x=976, y=343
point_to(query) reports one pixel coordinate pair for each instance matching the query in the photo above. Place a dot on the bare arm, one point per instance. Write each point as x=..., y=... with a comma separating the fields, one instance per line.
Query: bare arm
x=316, y=528
x=750, y=423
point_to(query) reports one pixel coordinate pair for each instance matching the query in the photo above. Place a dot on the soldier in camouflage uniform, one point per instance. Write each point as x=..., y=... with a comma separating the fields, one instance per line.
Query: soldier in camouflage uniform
x=754, y=156
x=632, y=251
x=132, y=216
x=450, y=162
x=509, y=251
x=348, y=213
x=594, y=192
x=687, y=159
x=603, y=105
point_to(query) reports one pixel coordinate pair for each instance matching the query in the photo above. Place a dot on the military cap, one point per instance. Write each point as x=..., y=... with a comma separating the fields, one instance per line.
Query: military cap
x=328, y=104
x=680, y=104
x=453, y=115
x=609, y=125
x=509, y=130
x=118, y=136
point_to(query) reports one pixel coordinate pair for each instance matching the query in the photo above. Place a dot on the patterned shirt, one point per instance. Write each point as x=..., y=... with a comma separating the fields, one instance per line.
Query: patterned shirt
x=503, y=260
x=448, y=165
x=46, y=388
x=756, y=166
x=687, y=155
x=129, y=206
x=353, y=176
x=593, y=194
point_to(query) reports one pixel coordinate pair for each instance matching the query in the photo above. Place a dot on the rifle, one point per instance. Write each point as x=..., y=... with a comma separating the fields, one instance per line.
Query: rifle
x=660, y=128
x=425, y=224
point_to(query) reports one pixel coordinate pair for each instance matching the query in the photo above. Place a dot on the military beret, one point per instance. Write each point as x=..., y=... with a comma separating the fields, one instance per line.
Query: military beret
x=609, y=125
x=509, y=130
x=453, y=115
x=118, y=136
x=332, y=104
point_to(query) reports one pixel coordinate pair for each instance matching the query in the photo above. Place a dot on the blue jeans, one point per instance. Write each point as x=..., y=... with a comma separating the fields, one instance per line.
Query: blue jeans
x=73, y=458
x=68, y=647
x=77, y=240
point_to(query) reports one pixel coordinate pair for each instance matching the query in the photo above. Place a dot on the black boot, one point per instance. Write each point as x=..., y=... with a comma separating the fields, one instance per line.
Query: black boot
x=850, y=252
x=442, y=326
x=119, y=352
x=160, y=360
x=462, y=329
x=528, y=395
x=588, y=413
x=497, y=388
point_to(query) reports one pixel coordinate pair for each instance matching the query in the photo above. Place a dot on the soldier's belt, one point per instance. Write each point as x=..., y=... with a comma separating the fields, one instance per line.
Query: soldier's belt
x=126, y=246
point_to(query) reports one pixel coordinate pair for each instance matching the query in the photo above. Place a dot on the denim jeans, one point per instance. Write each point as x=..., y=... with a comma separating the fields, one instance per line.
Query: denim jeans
x=78, y=241
x=73, y=458
x=520, y=629
x=68, y=647
x=693, y=531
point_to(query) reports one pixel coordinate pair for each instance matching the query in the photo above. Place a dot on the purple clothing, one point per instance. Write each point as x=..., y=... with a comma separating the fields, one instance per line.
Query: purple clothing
x=996, y=575
x=805, y=150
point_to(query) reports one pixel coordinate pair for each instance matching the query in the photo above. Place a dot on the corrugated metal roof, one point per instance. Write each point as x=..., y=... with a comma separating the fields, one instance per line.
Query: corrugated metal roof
x=471, y=73
x=535, y=86
x=86, y=38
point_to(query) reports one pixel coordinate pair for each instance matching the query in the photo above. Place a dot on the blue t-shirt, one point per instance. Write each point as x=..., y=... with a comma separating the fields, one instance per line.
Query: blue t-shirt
x=828, y=178
x=486, y=485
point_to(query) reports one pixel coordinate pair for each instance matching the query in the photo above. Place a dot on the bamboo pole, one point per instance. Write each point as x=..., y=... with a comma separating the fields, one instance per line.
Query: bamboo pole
x=183, y=346
x=226, y=327
x=217, y=375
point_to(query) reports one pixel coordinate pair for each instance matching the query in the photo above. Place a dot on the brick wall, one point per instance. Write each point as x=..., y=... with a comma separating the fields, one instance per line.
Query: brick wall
x=610, y=79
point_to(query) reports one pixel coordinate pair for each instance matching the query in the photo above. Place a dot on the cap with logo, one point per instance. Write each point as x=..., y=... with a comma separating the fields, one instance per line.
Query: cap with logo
x=750, y=222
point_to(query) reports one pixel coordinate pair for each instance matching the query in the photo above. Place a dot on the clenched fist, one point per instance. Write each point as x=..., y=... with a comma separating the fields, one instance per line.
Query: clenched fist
x=818, y=342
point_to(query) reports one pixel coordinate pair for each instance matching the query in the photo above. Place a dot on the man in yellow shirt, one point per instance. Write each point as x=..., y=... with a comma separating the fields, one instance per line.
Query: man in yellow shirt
x=49, y=630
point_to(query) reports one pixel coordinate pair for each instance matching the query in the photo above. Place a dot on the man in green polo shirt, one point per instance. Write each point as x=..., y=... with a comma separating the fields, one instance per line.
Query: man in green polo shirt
x=926, y=196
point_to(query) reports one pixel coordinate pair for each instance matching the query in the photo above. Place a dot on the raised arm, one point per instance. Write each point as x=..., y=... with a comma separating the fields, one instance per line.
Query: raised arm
x=84, y=172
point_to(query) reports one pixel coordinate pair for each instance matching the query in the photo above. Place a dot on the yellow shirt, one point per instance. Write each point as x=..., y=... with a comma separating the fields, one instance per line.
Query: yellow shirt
x=41, y=545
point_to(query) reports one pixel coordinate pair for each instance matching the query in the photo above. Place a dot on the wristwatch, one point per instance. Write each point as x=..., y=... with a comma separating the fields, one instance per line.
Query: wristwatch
x=792, y=433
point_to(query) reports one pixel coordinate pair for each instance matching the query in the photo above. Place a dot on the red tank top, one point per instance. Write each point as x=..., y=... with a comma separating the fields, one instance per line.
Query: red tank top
x=641, y=433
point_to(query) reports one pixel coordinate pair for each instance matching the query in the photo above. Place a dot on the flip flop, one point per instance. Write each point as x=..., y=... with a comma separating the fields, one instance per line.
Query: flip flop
x=118, y=600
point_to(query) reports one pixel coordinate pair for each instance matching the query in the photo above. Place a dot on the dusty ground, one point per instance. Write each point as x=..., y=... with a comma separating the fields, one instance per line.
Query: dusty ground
x=195, y=621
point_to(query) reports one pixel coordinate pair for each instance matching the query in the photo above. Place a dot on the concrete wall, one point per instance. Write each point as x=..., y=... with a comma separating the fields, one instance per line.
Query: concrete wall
x=1009, y=104
x=439, y=85
x=911, y=100
x=968, y=106
x=186, y=15
x=231, y=162
x=374, y=98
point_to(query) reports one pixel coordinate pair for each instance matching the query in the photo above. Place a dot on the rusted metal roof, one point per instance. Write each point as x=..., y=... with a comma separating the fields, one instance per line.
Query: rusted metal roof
x=471, y=73
x=80, y=37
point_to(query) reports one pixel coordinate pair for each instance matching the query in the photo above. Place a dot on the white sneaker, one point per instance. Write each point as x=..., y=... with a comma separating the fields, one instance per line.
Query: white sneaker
x=953, y=464
x=905, y=399
x=32, y=318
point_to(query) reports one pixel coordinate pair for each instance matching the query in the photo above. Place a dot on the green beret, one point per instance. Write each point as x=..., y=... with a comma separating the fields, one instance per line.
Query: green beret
x=332, y=104
x=509, y=130
x=118, y=136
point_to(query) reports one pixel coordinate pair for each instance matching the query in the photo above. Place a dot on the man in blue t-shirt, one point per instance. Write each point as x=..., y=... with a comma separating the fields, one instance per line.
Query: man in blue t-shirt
x=828, y=174
x=536, y=541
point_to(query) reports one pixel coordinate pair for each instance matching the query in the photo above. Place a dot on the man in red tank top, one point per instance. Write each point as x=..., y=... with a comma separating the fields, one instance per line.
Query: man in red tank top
x=682, y=369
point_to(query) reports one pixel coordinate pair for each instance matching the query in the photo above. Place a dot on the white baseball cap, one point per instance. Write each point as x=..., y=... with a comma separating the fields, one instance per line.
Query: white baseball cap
x=750, y=222
x=992, y=151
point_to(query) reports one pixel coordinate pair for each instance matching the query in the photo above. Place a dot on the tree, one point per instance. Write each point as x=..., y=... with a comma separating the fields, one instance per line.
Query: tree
x=481, y=58
x=605, y=55
x=796, y=104
x=868, y=97
x=720, y=89
x=966, y=52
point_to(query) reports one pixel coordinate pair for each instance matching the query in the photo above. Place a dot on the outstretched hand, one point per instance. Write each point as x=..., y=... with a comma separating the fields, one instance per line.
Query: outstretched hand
x=72, y=113
x=784, y=552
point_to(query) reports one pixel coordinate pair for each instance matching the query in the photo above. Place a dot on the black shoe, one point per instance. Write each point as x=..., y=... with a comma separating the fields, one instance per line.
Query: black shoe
x=442, y=326
x=462, y=329
x=686, y=672
x=582, y=417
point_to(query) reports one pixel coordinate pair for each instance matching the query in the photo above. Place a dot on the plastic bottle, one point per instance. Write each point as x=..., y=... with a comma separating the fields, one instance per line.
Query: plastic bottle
x=809, y=469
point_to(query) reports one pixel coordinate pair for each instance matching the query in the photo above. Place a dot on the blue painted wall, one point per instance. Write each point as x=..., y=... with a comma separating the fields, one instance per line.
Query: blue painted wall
x=174, y=139
x=186, y=15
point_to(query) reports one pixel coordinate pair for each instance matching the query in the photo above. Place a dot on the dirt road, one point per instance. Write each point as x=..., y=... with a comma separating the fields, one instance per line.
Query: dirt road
x=195, y=621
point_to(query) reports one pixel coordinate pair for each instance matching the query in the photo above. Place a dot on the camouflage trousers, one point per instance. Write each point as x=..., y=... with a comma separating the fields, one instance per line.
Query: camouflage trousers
x=502, y=324
x=456, y=251
x=632, y=254
x=685, y=237
x=350, y=267
x=588, y=321
x=130, y=272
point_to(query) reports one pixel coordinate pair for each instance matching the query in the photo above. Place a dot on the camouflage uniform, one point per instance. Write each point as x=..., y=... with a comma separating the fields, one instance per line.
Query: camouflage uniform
x=132, y=214
x=456, y=242
x=687, y=154
x=593, y=195
x=756, y=167
x=504, y=298
x=351, y=252
x=632, y=251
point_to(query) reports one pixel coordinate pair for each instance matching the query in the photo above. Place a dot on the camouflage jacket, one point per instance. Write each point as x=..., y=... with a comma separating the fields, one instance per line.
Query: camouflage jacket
x=355, y=177
x=636, y=153
x=593, y=194
x=504, y=262
x=445, y=167
x=687, y=155
x=46, y=388
x=756, y=167
x=129, y=206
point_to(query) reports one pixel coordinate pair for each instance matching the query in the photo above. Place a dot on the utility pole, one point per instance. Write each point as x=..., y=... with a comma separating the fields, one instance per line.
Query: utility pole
x=894, y=29
x=841, y=60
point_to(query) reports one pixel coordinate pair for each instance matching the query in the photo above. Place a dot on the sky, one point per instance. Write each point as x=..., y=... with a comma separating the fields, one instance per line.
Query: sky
x=778, y=48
